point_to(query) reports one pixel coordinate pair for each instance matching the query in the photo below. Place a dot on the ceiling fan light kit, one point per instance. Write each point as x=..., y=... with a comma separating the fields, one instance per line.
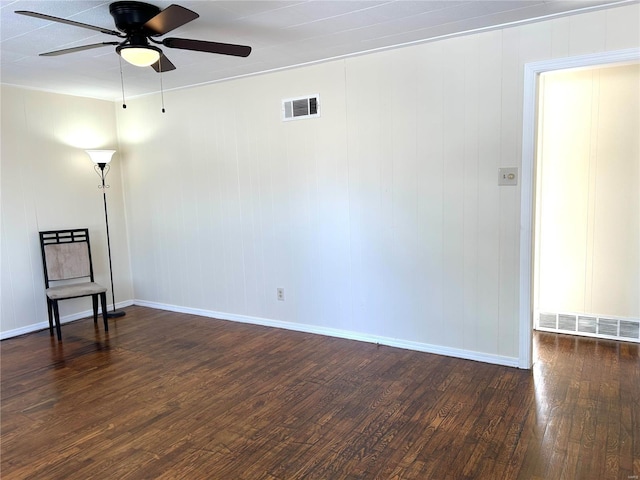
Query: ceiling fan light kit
x=144, y=56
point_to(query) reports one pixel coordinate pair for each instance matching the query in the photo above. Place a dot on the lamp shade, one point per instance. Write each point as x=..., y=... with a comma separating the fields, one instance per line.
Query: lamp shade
x=100, y=156
x=140, y=56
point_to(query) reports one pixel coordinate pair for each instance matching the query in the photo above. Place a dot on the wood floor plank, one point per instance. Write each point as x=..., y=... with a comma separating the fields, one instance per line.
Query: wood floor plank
x=168, y=395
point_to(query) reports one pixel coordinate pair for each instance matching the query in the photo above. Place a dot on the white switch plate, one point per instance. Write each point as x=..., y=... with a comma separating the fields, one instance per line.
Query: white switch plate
x=508, y=176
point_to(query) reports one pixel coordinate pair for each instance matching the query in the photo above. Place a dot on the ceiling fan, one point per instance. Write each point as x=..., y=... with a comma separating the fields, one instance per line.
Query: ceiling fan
x=138, y=23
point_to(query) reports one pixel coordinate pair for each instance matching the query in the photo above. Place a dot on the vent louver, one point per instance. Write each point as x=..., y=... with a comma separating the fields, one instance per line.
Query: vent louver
x=301, y=107
x=587, y=324
x=629, y=329
x=607, y=326
x=547, y=320
x=567, y=322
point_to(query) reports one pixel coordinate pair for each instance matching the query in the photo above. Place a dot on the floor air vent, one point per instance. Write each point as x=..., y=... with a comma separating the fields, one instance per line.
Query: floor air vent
x=589, y=326
x=301, y=107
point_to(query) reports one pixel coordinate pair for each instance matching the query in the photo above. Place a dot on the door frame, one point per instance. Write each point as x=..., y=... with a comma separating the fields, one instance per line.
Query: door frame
x=532, y=72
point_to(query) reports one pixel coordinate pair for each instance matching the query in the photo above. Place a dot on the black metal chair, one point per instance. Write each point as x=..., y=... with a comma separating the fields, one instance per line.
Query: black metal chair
x=66, y=257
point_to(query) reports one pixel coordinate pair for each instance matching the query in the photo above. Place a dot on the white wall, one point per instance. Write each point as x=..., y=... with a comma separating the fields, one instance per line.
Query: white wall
x=382, y=218
x=588, y=229
x=48, y=182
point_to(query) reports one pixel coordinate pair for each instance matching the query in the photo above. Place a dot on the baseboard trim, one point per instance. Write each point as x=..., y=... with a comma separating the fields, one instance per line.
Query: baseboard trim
x=35, y=327
x=338, y=333
x=298, y=327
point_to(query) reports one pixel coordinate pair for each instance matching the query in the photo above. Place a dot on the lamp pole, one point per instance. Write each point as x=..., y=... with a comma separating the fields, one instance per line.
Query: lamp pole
x=101, y=158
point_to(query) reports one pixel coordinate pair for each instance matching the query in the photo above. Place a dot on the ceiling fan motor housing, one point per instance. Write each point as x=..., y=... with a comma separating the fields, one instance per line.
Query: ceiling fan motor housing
x=129, y=17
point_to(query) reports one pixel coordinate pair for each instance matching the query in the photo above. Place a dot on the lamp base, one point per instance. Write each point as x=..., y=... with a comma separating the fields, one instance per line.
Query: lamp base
x=116, y=314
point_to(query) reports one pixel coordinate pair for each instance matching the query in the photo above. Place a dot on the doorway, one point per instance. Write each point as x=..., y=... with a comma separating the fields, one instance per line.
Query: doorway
x=533, y=71
x=586, y=274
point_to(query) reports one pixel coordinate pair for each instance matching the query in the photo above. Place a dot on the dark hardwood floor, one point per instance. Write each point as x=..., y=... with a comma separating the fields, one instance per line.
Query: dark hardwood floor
x=166, y=395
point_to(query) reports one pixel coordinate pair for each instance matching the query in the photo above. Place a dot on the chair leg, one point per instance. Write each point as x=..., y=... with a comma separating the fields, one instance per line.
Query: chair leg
x=50, y=313
x=56, y=314
x=103, y=302
x=94, y=299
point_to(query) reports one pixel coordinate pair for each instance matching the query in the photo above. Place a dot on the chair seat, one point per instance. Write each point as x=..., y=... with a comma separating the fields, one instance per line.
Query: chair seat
x=74, y=290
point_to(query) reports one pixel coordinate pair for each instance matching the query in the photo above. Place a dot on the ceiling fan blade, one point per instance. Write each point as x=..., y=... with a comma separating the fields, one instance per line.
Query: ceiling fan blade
x=170, y=18
x=77, y=49
x=210, y=47
x=163, y=65
x=69, y=22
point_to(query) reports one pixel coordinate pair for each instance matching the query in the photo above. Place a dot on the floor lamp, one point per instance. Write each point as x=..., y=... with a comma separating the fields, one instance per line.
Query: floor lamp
x=101, y=159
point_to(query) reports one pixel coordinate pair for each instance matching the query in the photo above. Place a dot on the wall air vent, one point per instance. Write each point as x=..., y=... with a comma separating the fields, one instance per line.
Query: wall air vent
x=301, y=107
x=627, y=329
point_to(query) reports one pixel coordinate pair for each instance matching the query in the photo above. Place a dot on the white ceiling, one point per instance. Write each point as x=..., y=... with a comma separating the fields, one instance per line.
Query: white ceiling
x=281, y=33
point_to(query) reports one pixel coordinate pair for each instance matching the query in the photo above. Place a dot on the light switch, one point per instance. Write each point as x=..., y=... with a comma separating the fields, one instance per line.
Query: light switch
x=508, y=176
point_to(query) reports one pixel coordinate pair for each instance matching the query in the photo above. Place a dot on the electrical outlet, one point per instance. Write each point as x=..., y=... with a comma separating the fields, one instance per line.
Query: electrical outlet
x=280, y=294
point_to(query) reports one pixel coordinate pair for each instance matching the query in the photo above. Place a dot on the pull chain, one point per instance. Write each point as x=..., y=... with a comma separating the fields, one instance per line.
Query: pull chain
x=161, y=88
x=124, y=105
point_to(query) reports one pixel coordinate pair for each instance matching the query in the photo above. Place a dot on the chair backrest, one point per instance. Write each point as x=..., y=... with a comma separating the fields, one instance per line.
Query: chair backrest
x=66, y=254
